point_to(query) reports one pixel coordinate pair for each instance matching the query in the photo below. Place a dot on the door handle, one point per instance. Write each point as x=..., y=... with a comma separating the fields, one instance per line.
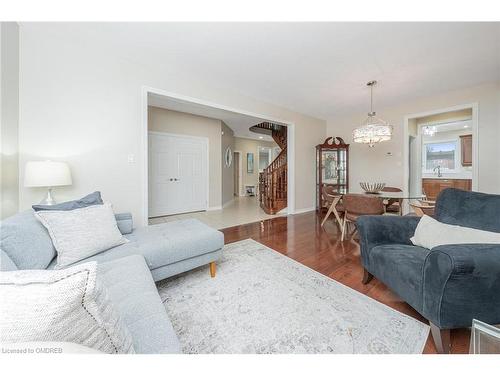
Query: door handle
x=174, y=179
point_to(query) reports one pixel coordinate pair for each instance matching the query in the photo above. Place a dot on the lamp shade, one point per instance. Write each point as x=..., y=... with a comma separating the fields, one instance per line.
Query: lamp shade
x=46, y=174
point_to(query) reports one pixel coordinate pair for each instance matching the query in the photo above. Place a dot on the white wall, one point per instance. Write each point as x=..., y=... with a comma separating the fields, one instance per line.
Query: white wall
x=373, y=164
x=81, y=104
x=9, y=130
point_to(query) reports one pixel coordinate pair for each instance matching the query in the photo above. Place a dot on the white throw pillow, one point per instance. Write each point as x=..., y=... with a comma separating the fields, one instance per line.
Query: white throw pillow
x=69, y=305
x=81, y=233
x=431, y=233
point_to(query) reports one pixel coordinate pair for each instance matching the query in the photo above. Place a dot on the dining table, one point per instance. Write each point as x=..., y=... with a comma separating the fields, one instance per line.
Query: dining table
x=384, y=195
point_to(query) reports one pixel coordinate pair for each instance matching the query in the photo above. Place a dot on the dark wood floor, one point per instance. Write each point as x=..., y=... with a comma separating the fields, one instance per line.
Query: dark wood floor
x=302, y=238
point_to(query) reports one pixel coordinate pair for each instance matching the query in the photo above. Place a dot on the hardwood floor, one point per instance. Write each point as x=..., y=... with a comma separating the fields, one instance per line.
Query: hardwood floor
x=302, y=238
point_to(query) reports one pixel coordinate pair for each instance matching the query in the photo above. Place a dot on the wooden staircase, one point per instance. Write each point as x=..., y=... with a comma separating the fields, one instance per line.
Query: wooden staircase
x=273, y=181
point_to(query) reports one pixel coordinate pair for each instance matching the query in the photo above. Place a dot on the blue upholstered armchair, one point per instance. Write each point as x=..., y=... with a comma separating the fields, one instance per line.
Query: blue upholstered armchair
x=450, y=284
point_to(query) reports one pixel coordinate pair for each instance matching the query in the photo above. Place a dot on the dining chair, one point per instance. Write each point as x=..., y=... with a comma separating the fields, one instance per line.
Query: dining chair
x=330, y=195
x=422, y=209
x=393, y=205
x=357, y=205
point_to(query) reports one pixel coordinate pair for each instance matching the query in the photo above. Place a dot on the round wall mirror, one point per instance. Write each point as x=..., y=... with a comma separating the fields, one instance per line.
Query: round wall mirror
x=228, y=157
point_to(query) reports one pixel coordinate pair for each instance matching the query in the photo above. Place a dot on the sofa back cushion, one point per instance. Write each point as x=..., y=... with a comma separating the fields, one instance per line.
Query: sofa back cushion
x=6, y=264
x=469, y=209
x=26, y=241
x=88, y=200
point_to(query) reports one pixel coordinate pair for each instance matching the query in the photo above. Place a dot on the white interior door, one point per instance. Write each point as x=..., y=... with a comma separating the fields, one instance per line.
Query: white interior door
x=178, y=170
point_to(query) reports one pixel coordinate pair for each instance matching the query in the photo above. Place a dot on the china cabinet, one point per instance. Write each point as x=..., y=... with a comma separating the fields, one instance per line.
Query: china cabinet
x=332, y=167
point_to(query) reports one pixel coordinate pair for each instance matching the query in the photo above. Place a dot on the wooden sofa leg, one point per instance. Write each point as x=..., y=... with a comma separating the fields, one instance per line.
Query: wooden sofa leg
x=441, y=339
x=367, y=277
x=212, y=269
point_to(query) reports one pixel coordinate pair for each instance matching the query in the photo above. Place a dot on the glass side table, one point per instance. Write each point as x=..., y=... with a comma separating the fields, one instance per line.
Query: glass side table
x=484, y=338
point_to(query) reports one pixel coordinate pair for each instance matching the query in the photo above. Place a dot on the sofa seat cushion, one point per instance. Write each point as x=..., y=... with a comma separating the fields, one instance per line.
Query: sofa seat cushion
x=133, y=293
x=400, y=267
x=179, y=240
x=167, y=243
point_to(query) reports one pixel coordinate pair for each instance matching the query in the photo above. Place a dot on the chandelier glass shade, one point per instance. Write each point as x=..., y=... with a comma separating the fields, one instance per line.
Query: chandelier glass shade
x=374, y=129
x=429, y=130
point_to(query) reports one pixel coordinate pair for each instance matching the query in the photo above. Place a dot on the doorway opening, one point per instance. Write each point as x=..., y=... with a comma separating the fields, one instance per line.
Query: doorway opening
x=441, y=151
x=203, y=161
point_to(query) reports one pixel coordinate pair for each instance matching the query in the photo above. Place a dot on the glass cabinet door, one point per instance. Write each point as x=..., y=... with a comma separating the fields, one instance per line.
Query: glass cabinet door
x=342, y=167
x=330, y=167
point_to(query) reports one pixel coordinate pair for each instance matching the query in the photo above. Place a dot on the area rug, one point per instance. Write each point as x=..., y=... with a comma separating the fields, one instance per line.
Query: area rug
x=264, y=302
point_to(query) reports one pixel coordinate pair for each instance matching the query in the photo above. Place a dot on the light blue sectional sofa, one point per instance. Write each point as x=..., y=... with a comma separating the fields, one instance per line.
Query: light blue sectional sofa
x=129, y=271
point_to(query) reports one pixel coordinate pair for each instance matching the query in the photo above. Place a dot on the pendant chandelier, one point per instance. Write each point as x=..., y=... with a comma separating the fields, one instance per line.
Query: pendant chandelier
x=429, y=130
x=374, y=130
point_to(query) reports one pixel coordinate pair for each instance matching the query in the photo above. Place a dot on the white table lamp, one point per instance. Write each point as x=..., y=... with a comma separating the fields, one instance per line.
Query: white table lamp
x=47, y=174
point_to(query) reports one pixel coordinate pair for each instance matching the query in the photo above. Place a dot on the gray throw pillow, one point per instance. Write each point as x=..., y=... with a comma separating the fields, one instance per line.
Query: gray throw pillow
x=70, y=305
x=88, y=200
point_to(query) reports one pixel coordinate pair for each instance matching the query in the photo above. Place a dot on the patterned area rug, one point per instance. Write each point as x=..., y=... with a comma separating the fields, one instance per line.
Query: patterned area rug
x=264, y=302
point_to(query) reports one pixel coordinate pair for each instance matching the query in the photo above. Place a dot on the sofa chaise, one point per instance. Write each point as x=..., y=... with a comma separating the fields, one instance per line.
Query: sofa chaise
x=129, y=271
x=449, y=285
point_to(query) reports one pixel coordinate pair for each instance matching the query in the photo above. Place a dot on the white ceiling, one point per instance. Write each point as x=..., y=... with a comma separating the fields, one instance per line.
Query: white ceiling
x=238, y=122
x=318, y=69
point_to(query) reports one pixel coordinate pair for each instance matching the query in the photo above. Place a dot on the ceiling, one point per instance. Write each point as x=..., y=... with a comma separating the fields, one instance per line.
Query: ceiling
x=238, y=122
x=319, y=69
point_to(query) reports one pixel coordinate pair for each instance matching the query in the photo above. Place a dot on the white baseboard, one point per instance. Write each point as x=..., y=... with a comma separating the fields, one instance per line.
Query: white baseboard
x=304, y=210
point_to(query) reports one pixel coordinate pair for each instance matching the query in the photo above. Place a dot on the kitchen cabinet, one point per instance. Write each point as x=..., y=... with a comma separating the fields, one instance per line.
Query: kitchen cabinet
x=466, y=146
x=431, y=187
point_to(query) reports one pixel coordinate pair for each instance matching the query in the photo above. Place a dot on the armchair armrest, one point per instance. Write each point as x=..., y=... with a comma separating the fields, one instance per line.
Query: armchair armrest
x=381, y=230
x=461, y=283
x=124, y=222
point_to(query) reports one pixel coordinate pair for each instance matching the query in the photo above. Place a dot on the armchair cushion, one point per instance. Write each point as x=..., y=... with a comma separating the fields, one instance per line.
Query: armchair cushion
x=382, y=230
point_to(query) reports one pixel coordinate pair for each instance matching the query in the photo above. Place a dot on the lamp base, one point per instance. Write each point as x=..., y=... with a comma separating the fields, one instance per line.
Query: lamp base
x=48, y=200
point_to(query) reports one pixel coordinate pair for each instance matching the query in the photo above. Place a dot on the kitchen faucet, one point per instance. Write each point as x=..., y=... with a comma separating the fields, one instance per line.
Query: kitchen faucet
x=438, y=170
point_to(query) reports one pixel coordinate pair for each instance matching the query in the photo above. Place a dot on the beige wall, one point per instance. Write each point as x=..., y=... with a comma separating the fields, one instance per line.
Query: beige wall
x=464, y=114
x=166, y=121
x=82, y=104
x=373, y=164
x=245, y=146
x=9, y=130
x=227, y=140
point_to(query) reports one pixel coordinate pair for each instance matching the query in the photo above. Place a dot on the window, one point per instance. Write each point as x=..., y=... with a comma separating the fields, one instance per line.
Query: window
x=442, y=154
